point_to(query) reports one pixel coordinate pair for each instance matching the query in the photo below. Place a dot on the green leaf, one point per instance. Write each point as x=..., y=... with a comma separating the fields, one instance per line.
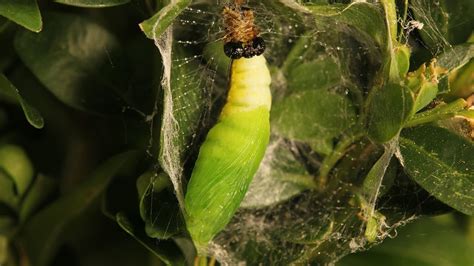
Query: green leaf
x=84, y=68
x=389, y=108
x=399, y=54
x=3, y=119
x=427, y=242
x=434, y=19
x=93, y=3
x=159, y=207
x=397, y=63
x=124, y=211
x=323, y=146
x=401, y=57
x=4, y=243
x=23, y=12
x=425, y=95
x=456, y=57
x=391, y=19
x=318, y=74
x=7, y=191
x=156, y=25
x=280, y=170
x=298, y=52
x=312, y=115
x=449, y=63
x=6, y=257
x=40, y=190
x=405, y=197
x=348, y=29
x=8, y=222
x=167, y=251
x=364, y=16
x=7, y=52
x=8, y=90
x=15, y=163
x=442, y=163
x=467, y=113
x=460, y=13
x=445, y=22
x=461, y=82
x=143, y=182
x=41, y=236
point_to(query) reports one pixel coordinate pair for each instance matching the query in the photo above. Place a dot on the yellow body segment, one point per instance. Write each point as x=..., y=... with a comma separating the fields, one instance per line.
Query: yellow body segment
x=250, y=86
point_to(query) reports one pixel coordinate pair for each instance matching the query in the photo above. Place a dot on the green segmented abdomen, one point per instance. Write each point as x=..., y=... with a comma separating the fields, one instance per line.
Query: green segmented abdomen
x=231, y=153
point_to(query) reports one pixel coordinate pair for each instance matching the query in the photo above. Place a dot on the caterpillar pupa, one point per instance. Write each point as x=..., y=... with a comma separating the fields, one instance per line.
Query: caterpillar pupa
x=234, y=147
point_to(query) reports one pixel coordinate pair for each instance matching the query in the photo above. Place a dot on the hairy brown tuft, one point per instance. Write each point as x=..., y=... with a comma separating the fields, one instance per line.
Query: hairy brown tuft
x=239, y=24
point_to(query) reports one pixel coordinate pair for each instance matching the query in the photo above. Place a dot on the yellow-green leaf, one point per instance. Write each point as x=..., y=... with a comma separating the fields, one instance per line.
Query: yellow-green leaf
x=23, y=12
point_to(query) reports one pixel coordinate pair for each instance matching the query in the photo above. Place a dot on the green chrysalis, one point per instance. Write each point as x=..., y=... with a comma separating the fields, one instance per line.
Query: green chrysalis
x=231, y=153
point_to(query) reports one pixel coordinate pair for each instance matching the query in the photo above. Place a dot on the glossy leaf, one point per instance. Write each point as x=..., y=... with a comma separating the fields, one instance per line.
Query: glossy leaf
x=41, y=188
x=159, y=208
x=42, y=234
x=125, y=212
x=442, y=163
x=8, y=90
x=23, y=12
x=156, y=25
x=7, y=52
x=17, y=165
x=93, y=3
x=3, y=119
x=8, y=196
x=8, y=221
x=427, y=242
x=389, y=108
x=167, y=251
x=85, y=68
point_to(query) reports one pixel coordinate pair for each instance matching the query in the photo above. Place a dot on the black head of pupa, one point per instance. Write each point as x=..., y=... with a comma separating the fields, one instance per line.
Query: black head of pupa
x=234, y=50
